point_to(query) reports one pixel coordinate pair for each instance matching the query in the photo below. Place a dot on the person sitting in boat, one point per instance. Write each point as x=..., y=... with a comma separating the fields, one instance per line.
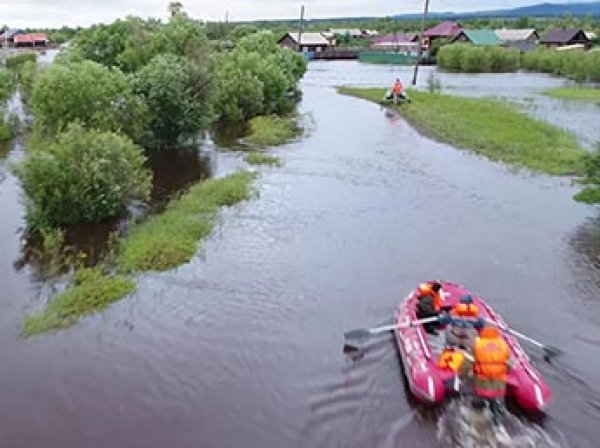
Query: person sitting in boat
x=462, y=324
x=490, y=366
x=429, y=304
x=397, y=91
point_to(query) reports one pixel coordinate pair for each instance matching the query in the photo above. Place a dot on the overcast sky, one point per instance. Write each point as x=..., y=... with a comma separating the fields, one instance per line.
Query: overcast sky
x=53, y=13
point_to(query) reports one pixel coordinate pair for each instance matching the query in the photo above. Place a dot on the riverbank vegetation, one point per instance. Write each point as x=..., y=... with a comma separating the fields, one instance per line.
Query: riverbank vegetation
x=473, y=59
x=574, y=93
x=260, y=158
x=169, y=239
x=577, y=65
x=271, y=130
x=490, y=128
x=91, y=290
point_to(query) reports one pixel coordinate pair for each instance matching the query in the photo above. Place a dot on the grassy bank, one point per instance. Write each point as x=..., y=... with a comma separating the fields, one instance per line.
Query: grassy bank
x=271, y=130
x=170, y=239
x=574, y=93
x=490, y=128
x=164, y=241
x=259, y=158
x=90, y=291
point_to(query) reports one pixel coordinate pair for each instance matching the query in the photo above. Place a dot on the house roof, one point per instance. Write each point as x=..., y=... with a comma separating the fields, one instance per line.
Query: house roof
x=30, y=38
x=444, y=29
x=561, y=35
x=308, y=38
x=482, y=37
x=396, y=38
x=508, y=35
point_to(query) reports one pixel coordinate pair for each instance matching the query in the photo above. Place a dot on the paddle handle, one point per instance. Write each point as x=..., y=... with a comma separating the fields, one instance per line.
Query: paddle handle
x=402, y=325
x=517, y=334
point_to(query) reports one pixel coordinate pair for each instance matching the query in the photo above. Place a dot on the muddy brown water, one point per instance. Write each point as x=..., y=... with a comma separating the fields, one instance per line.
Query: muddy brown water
x=242, y=346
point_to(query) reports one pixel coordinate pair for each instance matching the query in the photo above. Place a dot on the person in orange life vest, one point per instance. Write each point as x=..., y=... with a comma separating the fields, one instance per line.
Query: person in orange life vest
x=429, y=304
x=490, y=366
x=397, y=90
x=462, y=324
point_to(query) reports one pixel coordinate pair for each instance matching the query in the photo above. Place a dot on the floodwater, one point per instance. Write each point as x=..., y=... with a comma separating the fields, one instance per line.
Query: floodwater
x=242, y=346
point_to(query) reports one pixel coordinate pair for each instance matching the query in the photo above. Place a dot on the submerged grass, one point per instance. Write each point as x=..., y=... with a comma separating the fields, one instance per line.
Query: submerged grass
x=167, y=240
x=90, y=291
x=271, y=130
x=162, y=242
x=259, y=158
x=490, y=128
x=574, y=93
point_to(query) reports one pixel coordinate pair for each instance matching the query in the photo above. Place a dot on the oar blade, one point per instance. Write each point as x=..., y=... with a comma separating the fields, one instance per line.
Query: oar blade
x=357, y=335
x=552, y=352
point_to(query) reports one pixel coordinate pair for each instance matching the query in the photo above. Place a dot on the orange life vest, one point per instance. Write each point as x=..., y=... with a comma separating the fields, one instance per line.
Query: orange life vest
x=397, y=89
x=465, y=310
x=491, y=358
x=437, y=300
x=451, y=359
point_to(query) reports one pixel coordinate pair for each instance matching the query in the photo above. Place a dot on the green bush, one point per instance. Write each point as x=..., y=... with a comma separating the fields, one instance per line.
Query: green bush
x=577, y=65
x=257, y=78
x=7, y=84
x=88, y=93
x=178, y=95
x=590, y=194
x=15, y=62
x=472, y=59
x=84, y=175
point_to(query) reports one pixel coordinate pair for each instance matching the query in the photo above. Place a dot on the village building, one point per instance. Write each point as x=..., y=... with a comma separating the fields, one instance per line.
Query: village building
x=561, y=37
x=518, y=35
x=478, y=37
x=31, y=40
x=444, y=30
x=406, y=43
x=306, y=42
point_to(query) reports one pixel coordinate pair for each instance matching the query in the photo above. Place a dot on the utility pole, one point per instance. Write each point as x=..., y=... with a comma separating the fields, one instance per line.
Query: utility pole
x=301, y=28
x=420, y=54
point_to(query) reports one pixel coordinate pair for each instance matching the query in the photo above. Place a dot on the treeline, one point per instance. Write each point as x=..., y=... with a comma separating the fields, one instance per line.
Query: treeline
x=577, y=65
x=134, y=85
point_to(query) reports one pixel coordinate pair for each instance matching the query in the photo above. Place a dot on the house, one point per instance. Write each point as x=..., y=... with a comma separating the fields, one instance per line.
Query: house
x=478, y=37
x=8, y=36
x=397, y=42
x=518, y=35
x=560, y=37
x=352, y=32
x=307, y=42
x=31, y=40
x=523, y=46
x=444, y=30
x=591, y=35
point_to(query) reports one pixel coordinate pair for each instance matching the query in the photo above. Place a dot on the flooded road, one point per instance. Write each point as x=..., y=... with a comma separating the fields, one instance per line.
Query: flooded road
x=242, y=346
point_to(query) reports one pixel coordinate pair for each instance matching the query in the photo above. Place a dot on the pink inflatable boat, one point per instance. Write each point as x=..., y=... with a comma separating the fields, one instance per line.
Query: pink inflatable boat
x=420, y=352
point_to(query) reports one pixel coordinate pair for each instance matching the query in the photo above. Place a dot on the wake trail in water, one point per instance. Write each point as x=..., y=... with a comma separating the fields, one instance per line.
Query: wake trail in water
x=461, y=426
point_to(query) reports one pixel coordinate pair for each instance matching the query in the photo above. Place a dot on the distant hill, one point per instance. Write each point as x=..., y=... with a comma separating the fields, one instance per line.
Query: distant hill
x=541, y=10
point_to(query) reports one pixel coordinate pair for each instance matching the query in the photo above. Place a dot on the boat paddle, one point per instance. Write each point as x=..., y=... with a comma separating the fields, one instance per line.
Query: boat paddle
x=364, y=333
x=549, y=350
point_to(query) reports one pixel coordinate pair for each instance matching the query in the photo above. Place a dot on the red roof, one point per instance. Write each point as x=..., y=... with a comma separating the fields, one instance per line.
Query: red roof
x=30, y=38
x=444, y=29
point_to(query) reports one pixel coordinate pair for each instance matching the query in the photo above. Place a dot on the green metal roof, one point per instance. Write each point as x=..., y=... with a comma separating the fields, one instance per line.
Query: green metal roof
x=483, y=37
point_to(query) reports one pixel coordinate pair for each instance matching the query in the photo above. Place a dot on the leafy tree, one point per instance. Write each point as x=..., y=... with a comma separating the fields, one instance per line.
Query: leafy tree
x=177, y=92
x=95, y=96
x=83, y=176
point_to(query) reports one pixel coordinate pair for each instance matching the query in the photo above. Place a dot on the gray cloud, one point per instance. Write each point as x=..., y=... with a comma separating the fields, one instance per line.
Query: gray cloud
x=40, y=13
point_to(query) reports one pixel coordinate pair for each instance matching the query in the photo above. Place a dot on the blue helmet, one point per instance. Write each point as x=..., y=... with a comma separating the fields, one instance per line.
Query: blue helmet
x=466, y=299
